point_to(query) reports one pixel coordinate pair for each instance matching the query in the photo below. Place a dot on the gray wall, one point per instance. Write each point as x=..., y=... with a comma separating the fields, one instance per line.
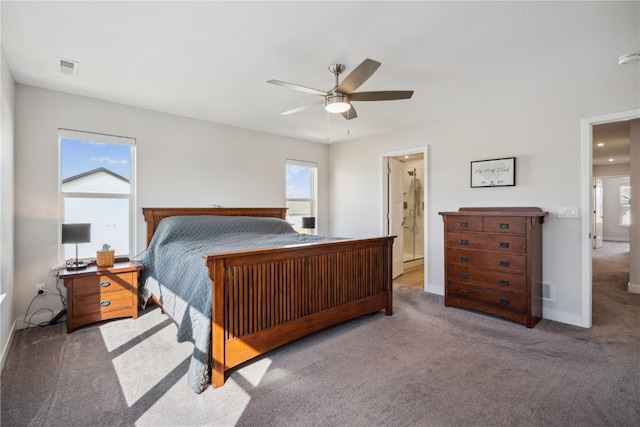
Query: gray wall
x=180, y=162
x=544, y=134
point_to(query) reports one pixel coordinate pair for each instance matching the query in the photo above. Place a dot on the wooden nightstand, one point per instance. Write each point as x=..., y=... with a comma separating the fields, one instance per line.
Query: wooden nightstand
x=101, y=293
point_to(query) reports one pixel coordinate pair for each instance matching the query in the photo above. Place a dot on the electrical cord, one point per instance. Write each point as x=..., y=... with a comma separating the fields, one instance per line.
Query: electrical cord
x=63, y=300
x=28, y=322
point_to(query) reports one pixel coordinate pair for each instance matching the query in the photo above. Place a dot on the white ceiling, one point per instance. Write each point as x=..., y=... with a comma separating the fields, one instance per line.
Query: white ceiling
x=211, y=60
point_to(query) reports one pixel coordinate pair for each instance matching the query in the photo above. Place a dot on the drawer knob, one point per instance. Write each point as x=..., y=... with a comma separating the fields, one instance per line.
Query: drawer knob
x=464, y=275
x=504, y=244
x=104, y=303
x=504, y=225
x=463, y=241
x=504, y=301
x=504, y=263
x=504, y=282
x=464, y=258
x=464, y=224
x=105, y=284
x=464, y=293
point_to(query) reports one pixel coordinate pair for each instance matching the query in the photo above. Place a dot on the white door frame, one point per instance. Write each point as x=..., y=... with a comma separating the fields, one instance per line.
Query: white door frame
x=586, y=180
x=385, y=189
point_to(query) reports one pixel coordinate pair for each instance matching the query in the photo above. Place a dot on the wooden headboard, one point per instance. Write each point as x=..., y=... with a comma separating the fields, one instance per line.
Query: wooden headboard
x=153, y=216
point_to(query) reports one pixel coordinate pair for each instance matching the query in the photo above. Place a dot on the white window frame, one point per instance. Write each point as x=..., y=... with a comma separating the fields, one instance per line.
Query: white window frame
x=107, y=139
x=313, y=191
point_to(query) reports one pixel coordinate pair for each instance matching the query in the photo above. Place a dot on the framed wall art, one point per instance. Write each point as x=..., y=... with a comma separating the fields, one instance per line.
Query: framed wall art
x=494, y=172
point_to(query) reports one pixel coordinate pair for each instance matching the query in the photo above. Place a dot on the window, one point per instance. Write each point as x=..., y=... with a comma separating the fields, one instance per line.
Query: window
x=97, y=186
x=625, y=204
x=301, y=192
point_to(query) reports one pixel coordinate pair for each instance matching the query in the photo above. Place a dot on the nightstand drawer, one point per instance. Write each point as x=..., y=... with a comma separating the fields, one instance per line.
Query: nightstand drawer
x=101, y=293
x=102, y=303
x=105, y=283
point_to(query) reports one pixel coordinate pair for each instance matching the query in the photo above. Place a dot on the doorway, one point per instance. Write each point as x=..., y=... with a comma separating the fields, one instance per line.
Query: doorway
x=405, y=214
x=611, y=220
x=589, y=160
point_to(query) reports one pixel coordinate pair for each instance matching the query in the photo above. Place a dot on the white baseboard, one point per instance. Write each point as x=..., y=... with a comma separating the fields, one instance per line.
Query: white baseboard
x=562, y=317
x=35, y=320
x=634, y=289
x=5, y=350
x=434, y=289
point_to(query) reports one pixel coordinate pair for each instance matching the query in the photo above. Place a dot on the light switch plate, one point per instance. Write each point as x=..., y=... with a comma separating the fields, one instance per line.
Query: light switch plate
x=568, y=212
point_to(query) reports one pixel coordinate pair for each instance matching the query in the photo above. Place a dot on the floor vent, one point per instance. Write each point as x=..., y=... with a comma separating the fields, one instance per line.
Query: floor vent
x=548, y=292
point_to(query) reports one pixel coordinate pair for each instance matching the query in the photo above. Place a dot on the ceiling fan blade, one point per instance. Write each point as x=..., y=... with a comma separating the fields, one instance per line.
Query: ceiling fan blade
x=358, y=76
x=298, y=87
x=388, y=95
x=302, y=108
x=350, y=113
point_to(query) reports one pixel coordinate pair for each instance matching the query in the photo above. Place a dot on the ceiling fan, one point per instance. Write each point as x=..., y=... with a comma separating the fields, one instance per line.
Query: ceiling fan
x=338, y=99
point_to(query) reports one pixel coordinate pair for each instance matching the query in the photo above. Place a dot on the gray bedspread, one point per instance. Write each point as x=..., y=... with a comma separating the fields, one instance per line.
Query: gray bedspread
x=175, y=272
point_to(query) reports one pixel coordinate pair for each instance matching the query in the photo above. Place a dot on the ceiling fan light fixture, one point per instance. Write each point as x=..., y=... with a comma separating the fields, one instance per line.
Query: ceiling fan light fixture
x=337, y=103
x=629, y=58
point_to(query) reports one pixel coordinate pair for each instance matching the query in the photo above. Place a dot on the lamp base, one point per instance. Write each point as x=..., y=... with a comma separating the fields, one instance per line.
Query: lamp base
x=76, y=266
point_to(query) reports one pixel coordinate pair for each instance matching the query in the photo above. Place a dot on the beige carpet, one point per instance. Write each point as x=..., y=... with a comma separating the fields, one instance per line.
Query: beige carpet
x=426, y=365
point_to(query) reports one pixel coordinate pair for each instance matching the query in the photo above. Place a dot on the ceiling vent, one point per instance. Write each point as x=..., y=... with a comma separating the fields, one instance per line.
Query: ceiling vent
x=67, y=67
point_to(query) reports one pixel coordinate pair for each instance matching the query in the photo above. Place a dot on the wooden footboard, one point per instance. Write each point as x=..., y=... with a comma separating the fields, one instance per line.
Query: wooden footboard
x=264, y=298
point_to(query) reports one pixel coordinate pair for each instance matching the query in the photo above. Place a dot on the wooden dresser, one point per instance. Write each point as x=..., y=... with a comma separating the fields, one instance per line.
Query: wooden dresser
x=493, y=261
x=101, y=293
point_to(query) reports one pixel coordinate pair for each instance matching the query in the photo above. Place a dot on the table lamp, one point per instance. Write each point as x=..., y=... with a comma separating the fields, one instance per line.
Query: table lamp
x=76, y=233
x=308, y=222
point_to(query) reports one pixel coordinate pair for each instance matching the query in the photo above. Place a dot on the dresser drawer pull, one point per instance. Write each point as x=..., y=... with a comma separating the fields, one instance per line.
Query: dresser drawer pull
x=464, y=276
x=464, y=293
x=504, y=244
x=504, y=263
x=104, y=303
x=105, y=284
x=464, y=258
x=504, y=301
x=464, y=224
x=504, y=282
x=463, y=241
x=504, y=225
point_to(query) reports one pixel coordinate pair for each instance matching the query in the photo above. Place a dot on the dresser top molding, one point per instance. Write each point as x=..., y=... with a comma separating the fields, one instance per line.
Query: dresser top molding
x=498, y=211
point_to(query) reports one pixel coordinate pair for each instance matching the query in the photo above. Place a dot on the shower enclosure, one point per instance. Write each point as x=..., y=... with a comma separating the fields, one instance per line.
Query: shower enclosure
x=413, y=222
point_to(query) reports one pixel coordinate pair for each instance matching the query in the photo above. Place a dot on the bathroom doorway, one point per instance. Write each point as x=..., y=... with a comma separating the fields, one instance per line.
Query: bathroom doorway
x=405, y=198
x=413, y=209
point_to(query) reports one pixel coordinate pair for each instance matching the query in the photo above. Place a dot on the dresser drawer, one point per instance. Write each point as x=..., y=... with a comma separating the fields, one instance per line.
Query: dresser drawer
x=512, y=263
x=464, y=223
x=505, y=304
x=487, y=242
x=504, y=224
x=103, y=303
x=496, y=280
x=105, y=283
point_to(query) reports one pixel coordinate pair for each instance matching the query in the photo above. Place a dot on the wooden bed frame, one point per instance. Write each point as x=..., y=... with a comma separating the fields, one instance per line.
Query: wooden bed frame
x=264, y=298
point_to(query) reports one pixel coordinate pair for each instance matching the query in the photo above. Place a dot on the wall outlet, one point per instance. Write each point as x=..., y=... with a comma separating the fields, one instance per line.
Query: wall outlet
x=41, y=288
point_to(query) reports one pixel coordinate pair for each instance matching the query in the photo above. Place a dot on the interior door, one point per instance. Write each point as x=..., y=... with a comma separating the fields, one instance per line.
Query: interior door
x=597, y=213
x=396, y=212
